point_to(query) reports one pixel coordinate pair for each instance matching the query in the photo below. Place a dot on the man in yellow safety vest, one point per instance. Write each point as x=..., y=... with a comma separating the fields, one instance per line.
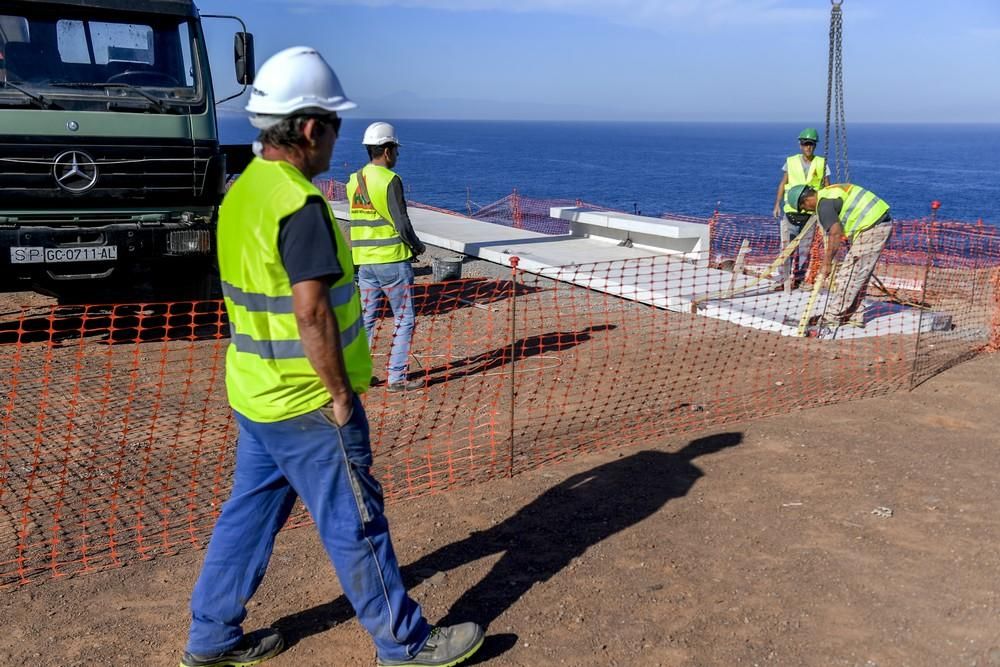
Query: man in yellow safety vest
x=383, y=244
x=850, y=211
x=804, y=168
x=296, y=364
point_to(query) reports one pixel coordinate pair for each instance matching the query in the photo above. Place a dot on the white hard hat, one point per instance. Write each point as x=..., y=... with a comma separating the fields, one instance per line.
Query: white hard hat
x=295, y=79
x=380, y=133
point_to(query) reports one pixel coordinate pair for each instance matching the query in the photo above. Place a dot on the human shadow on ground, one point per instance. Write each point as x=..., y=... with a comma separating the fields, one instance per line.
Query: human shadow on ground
x=437, y=299
x=525, y=348
x=544, y=536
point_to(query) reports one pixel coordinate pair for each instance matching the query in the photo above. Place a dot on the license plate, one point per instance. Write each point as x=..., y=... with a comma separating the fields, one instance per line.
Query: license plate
x=40, y=255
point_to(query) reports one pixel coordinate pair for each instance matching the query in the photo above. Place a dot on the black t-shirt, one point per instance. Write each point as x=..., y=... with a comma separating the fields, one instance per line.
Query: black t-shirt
x=829, y=212
x=308, y=246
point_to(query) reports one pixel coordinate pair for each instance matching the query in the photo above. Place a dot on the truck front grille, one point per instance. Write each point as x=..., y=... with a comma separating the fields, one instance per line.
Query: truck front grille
x=147, y=174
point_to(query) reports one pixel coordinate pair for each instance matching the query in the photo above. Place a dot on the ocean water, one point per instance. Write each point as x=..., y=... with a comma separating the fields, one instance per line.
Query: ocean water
x=687, y=168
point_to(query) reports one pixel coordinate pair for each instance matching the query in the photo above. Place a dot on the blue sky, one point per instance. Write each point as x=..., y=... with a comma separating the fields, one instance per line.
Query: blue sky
x=683, y=60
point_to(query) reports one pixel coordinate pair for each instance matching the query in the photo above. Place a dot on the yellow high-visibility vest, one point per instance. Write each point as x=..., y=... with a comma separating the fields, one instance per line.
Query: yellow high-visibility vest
x=798, y=176
x=374, y=239
x=268, y=377
x=860, y=210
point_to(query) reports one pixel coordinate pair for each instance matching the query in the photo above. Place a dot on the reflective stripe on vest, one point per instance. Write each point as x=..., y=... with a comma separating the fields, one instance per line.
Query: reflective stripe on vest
x=797, y=176
x=374, y=239
x=256, y=302
x=268, y=376
x=860, y=209
x=286, y=349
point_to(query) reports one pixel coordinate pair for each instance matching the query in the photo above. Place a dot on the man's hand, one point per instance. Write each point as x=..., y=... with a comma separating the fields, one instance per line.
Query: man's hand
x=777, y=211
x=824, y=269
x=343, y=410
x=320, y=336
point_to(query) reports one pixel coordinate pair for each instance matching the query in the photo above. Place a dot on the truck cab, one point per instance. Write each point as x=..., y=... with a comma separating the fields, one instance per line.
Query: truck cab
x=110, y=164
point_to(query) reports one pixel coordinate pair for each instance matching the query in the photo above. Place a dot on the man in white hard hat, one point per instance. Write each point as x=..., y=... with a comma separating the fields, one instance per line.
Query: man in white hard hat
x=296, y=363
x=382, y=244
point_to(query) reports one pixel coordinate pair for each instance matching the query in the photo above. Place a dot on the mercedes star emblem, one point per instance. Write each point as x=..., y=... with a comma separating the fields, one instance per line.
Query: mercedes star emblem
x=74, y=171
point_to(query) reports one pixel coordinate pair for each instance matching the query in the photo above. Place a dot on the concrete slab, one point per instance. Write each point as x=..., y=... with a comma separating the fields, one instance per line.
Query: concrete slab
x=666, y=235
x=669, y=278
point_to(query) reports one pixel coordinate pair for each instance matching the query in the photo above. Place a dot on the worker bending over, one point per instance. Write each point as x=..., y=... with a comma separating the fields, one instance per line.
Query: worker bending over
x=847, y=210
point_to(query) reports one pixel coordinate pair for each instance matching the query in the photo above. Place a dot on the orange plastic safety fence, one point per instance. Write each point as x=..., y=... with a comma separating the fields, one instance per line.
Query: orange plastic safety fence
x=116, y=441
x=995, y=325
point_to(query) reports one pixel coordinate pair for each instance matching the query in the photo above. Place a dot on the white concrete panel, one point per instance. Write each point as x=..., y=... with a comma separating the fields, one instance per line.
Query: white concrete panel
x=676, y=283
x=671, y=236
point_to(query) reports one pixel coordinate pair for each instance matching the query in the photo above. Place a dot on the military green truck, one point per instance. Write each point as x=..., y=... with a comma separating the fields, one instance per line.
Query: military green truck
x=111, y=169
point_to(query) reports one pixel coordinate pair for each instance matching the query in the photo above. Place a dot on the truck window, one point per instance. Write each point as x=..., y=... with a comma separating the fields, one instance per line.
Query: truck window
x=124, y=42
x=73, y=56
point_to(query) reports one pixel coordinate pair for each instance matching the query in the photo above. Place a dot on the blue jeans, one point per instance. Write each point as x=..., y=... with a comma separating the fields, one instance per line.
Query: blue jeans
x=328, y=467
x=395, y=281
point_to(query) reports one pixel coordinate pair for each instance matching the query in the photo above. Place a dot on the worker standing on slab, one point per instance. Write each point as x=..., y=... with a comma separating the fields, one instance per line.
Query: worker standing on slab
x=383, y=244
x=296, y=364
x=846, y=210
x=804, y=168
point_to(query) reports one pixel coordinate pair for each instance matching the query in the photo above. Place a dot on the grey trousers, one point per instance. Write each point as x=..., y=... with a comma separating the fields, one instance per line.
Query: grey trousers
x=799, y=261
x=853, y=275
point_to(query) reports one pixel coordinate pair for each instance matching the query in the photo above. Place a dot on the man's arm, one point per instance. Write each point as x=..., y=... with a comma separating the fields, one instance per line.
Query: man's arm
x=308, y=250
x=828, y=211
x=780, y=195
x=320, y=335
x=397, y=208
x=834, y=236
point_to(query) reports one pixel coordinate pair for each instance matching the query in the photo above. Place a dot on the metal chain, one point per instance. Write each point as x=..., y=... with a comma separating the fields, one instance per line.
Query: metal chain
x=836, y=143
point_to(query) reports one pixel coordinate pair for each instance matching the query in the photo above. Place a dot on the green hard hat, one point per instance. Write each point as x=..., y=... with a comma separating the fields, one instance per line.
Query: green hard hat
x=793, y=194
x=809, y=134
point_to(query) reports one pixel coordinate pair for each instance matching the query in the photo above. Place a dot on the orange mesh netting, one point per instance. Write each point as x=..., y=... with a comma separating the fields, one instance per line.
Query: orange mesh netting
x=116, y=441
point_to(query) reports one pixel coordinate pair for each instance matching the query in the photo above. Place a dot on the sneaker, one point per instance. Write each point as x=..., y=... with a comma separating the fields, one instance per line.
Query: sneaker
x=253, y=649
x=405, y=385
x=447, y=646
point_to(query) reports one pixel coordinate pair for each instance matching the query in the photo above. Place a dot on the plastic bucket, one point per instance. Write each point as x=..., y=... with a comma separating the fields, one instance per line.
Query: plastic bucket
x=447, y=268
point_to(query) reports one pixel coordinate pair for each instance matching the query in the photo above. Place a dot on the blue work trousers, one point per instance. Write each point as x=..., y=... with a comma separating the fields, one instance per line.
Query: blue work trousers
x=395, y=281
x=328, y=467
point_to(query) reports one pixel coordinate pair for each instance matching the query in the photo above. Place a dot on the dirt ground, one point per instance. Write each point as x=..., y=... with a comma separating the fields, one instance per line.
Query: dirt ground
x=862, y=534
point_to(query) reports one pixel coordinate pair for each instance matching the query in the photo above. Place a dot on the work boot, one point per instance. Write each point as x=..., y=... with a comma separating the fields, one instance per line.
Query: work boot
x=405, y=385
x=253, y=649
x=446, y=646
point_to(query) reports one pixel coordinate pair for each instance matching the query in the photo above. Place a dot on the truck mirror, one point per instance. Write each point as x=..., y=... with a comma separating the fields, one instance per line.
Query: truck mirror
x=243, y=52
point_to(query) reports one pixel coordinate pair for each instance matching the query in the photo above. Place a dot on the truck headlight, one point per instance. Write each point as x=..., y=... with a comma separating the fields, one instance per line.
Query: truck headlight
x=190, y=242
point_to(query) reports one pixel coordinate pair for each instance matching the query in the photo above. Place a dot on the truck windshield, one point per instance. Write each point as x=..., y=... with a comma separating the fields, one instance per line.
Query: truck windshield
x=78, y=61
